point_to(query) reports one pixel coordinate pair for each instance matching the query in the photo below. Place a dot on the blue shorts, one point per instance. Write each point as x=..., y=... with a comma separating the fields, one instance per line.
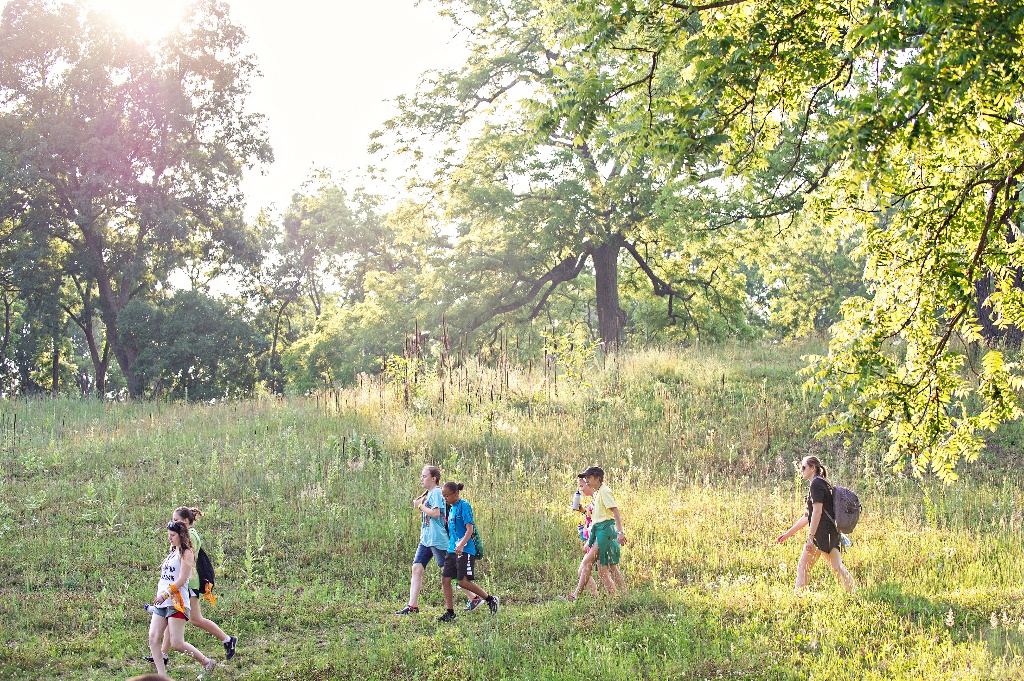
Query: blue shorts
x=169, y=612
x=425, y=553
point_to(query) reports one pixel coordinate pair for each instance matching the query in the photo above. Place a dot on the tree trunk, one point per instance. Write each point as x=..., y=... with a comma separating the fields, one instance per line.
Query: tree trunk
x=99, y=362
x=610, y=317
x=55, y=376
x=124, y=355
x=7, y=327
x=276, y=385
x=110, y=303
x=1010, y=336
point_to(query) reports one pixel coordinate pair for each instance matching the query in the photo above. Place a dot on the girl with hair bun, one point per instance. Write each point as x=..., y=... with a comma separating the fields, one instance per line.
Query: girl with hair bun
x=188, y=516
x=823, y=537
x=460, y=563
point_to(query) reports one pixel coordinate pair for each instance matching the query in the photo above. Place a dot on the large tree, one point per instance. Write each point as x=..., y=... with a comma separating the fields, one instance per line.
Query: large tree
x=901, y=121
x=537, y=199
x=128, y=154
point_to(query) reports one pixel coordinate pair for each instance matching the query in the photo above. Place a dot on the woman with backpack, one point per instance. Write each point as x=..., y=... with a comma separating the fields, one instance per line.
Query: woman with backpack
x=460, y=563
x=188, y=517
x=433, y=534
x=170, y=609
x=823, y=538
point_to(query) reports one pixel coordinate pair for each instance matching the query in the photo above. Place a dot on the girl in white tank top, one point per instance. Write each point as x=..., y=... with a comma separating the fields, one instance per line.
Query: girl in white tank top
x=172, y=599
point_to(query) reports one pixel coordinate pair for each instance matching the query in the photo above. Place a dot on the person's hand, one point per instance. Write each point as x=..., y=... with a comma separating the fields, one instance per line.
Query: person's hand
x=621, y=537
x=782, y=537
x=416, y=503
x=459, y=547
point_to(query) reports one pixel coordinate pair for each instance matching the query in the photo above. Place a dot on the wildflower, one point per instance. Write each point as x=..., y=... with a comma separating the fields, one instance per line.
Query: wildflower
x=949, y=618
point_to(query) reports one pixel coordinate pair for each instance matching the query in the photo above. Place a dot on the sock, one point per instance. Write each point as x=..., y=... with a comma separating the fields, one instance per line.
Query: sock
x=226, y=638
x=452, y=611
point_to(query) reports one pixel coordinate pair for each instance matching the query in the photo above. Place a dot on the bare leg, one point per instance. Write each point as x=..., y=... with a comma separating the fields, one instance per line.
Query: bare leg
x=177, y=629
x=585, y=577
x=803, y=569
x=620, y=581
x=449, y=593
x=157, y=629
x=606, y=578
x=415, y=584
x=206, y=625
x=586, y=567
x=467, y=585
x=835, y=560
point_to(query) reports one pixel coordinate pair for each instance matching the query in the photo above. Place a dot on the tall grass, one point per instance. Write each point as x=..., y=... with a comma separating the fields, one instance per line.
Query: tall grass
x=310, y=525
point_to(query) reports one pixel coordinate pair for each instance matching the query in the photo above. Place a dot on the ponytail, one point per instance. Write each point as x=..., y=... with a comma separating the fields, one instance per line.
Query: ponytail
x=189, y=514
x=818, y=467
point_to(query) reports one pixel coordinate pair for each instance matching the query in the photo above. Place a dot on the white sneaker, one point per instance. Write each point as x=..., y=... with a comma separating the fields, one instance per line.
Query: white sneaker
x=210, y=665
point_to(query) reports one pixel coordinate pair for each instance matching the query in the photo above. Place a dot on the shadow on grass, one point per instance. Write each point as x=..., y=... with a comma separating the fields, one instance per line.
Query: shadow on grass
x=1002, y=634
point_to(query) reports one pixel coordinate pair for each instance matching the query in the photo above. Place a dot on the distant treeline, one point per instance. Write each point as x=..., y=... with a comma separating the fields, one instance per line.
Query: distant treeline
x=628, y=173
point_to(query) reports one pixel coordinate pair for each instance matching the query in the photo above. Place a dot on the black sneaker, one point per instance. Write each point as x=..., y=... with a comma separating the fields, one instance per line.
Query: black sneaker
x=229, y=647
x=448, y=616
x=473, y=603
x=492, y=603
x=150, y=659
x=408, y=610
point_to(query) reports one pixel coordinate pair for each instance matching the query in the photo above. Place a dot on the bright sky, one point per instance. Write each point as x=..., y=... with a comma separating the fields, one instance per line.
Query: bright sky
x=328, y=67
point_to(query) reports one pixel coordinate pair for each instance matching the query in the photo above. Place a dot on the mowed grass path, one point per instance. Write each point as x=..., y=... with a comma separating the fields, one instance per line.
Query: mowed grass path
x=310, y=527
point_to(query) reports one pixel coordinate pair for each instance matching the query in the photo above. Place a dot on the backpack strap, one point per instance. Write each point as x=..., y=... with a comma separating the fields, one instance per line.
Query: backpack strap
x=832, y=493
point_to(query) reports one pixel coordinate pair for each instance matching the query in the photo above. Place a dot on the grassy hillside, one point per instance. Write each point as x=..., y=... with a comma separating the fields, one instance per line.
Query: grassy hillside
x=310, y=526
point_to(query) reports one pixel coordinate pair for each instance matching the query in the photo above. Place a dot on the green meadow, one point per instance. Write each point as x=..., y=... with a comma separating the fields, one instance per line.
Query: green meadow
x=310, y=525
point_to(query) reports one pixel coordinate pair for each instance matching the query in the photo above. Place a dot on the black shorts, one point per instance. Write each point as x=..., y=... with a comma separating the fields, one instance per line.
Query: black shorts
x=459, y=567
x=826, y=539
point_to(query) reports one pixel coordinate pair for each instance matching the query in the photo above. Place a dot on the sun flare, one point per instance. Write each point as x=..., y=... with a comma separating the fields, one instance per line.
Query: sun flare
x=143, y=19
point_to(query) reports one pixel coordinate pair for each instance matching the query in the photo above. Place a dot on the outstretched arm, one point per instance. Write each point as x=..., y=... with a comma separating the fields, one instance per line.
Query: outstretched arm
x=797, y=526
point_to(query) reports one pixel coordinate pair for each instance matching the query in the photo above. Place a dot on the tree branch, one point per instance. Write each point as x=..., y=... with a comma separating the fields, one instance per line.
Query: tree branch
x=567, y=270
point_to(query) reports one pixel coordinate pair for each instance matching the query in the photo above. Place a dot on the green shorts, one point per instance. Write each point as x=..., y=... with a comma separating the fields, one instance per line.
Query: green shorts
x=603, y=534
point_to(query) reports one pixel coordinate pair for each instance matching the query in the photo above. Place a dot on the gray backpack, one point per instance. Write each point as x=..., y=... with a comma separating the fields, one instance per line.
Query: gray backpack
x=847, y=507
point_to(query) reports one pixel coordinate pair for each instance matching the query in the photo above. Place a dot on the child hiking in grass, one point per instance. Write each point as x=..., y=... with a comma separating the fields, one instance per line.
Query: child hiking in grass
x=606, y=537
x=823, y=536
x=460, y=562
x=171, y=609
x=433, y=534
x=188, y=516
x=584, y=574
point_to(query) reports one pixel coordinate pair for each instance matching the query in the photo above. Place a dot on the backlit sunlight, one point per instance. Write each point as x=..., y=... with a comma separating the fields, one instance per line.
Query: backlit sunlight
x=143, y=19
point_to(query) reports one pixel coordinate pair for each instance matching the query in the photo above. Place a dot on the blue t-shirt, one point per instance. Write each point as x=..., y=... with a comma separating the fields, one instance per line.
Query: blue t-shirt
x=460, y=516
x=432, y=532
